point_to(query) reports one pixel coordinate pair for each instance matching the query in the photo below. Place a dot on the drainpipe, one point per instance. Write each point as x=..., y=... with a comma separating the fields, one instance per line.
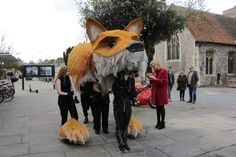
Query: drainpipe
x=196, y=63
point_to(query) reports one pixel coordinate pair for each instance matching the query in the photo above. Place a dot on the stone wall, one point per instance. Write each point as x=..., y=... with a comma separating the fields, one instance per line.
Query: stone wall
x=188, y=53
x=220, y=63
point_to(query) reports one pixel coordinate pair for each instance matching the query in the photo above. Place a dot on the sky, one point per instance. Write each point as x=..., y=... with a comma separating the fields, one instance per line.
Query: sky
x=44, y=29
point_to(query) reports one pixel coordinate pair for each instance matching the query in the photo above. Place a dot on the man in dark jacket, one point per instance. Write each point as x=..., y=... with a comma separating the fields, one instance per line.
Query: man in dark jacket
x=192, y=85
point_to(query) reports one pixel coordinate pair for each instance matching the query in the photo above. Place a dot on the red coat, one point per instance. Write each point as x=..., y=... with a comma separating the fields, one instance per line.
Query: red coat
x=159, y=87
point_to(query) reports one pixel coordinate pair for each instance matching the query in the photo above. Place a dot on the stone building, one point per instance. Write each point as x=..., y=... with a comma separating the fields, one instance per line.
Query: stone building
x=208, y=43
x=230, y=12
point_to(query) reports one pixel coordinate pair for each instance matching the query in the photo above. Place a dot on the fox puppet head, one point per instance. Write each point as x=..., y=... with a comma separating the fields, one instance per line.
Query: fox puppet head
x=108, y=53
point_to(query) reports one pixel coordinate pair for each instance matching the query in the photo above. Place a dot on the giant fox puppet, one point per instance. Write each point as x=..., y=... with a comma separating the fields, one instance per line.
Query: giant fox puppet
x=109, y=53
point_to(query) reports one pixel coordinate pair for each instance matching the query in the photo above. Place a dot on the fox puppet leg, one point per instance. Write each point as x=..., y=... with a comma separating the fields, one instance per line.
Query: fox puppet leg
x=135, y=128
x=74, y=131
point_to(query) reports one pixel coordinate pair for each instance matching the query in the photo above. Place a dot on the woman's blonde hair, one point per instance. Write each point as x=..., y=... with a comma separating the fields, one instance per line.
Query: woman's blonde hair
x=61, y=73
x=155, y=64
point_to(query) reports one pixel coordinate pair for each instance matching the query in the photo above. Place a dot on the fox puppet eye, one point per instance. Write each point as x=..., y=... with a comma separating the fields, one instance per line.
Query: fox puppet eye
x=108, y=42
x=111, y=43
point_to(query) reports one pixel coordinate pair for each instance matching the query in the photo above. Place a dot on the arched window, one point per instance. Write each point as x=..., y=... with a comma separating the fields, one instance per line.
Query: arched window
x=209, y=62
x=173, y=48
x=211, y=67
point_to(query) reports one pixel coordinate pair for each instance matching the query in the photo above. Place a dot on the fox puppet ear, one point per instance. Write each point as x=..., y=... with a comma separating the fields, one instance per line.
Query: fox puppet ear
x=93, y=28
x=135, y=26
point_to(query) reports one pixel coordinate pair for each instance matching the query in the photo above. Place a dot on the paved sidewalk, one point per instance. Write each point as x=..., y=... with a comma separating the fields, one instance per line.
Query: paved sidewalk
x=29, y=127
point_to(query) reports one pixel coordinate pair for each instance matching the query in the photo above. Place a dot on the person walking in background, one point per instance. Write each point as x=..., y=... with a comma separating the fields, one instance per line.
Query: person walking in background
x=64, y=87
x=182, y=84
x=86, y=96
x=192, y=85
x=159, y=92
x=122, y=91
x=171, y=81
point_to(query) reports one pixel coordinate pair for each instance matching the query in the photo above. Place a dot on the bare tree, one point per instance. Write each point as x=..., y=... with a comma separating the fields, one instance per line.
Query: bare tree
x=191, y=9
x=199, y=5
x=2, y=44
x=4, y=47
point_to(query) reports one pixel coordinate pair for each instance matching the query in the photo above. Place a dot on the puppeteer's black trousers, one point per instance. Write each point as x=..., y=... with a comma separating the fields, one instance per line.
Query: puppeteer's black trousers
x=66, y=104
x=100, y=108
x=122, y=114
x=86, y=102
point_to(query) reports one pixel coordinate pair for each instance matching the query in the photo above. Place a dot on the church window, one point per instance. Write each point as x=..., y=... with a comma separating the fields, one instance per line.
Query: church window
x=173, y=48
x=209, y=62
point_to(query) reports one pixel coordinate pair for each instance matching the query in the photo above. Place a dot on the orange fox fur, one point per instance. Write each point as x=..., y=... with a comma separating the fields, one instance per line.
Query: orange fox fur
x=74, y=131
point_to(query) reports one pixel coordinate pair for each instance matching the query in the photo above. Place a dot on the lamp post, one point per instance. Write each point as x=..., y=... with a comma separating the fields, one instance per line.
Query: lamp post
x=1, y=70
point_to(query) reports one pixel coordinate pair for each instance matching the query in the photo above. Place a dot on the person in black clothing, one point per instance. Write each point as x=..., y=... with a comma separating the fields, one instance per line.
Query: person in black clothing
x=182, y=84
x=171, y=81
x=121, y=89
x=65, y=95
x=100, y=108
x=86, y=96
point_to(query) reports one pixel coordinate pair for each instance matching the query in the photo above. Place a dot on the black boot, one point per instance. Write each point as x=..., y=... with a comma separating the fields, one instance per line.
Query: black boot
x=97, y=132
x=125, y=144
x=121, y=148
x=86, y=120
x=158, y=117
x=120, y=140
x=162, y=125
x=76, y=100
x=127, y=147
x=158, y=125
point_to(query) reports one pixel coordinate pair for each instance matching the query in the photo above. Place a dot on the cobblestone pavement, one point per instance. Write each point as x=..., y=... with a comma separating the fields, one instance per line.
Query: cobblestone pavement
x=29, y=127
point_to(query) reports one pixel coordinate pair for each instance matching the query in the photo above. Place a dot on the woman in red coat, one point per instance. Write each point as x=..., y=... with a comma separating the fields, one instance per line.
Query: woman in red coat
x=159, y=82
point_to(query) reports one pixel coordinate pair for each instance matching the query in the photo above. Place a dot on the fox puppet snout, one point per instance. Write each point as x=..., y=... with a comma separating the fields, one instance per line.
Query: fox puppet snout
x=109, y=52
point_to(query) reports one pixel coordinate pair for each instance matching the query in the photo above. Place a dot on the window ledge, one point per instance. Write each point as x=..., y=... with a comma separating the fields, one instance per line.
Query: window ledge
x=174, y=60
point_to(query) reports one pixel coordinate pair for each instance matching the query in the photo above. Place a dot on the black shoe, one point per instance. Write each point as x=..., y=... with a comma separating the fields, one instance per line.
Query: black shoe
x=121, y=148
x=194, y=102
x=97, y=132
x=86, y=120
x=105, y=131
x=127, y=147
x=76, y=100
x=162, y=125
x=157, y=126
x=189, y=101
